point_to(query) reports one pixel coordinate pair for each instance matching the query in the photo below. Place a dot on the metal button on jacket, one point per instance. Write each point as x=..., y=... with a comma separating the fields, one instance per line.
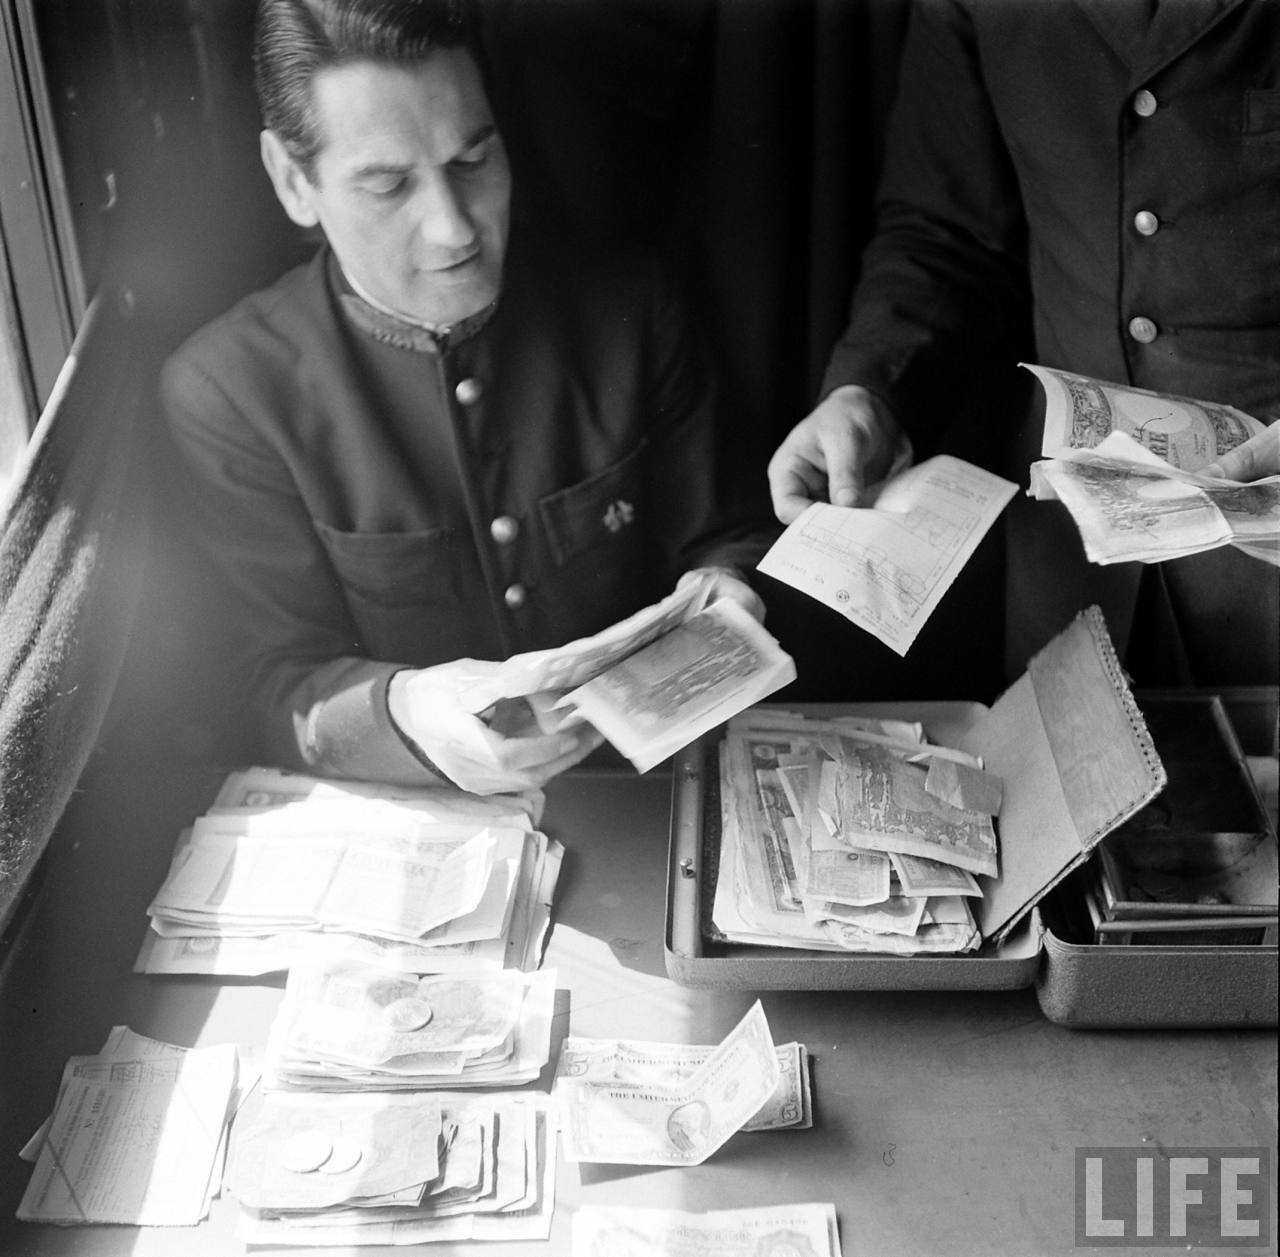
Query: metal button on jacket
x=1143, y=330
x=468, y=391
x=1146, y=222
x=1144, y=103
x=504, y=530
x=514, y=596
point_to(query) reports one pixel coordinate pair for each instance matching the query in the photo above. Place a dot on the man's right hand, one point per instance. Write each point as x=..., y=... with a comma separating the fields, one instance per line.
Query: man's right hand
x=426, y=705
x=843, y=447
x=1257, y=458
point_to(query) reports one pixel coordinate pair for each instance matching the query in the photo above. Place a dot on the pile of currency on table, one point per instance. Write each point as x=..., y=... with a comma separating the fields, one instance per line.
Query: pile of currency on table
x=137, y=1135
x=640, y=1103
x=286, y=868
x=774, y=1231
x=850, y=834
x=411, y=922
x=1126, y=463
x=396, y=1158
x=366, y=1168
x=351, y=1028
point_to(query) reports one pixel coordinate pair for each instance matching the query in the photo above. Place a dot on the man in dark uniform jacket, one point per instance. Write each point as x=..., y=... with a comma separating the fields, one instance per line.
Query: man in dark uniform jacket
x=1102, y=176
x=427, y=445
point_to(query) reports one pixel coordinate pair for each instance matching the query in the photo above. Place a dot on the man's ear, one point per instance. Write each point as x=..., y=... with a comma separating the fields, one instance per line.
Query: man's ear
x=292, y=186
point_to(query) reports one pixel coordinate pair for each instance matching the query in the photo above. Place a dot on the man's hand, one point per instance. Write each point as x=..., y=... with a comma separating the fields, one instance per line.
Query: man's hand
x=512, y=754
x=724, y=582
x=845, y=445
x=1259, y=456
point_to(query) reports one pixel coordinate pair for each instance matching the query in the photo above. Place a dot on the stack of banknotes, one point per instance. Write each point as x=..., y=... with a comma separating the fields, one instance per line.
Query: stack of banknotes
x=328, y=1170
x=286, y=868
x=634, y=1062
x=850, y=834
x=358, y=1028
x=359, y=1134
x=651, y=683
x=640, y=1103
x=1127, y=464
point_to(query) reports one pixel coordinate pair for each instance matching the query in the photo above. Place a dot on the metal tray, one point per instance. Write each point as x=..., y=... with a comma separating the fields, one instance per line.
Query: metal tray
x=695, y=959
x=1078, y=985
x=1193, y=965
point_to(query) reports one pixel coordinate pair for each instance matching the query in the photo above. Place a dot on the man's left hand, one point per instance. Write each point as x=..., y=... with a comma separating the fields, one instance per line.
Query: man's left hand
x=724, y=582
x=1256, y=459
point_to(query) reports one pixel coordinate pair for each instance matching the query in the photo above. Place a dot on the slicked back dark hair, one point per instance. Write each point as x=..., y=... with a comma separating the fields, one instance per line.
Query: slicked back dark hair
x=295, y=39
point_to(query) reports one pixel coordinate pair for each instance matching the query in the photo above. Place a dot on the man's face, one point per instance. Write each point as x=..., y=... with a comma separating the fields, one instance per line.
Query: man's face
x=411, y=184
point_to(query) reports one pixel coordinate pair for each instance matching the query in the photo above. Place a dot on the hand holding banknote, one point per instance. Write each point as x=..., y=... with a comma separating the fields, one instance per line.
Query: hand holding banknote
x=724, y=582
x=1256, y=459
x=506, y=751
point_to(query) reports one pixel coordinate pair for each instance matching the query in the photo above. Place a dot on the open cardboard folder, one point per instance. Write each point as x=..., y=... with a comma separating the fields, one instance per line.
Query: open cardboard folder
x=1077, y=760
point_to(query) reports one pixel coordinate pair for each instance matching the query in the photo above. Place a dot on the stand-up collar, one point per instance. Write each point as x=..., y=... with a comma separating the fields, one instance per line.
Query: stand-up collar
x=399, y=332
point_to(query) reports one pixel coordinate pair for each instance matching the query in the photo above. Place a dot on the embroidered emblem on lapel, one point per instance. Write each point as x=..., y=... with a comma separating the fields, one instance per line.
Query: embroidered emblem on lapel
x=619, y=515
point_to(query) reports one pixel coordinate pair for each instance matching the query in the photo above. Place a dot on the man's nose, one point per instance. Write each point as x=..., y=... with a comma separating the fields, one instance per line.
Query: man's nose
x=445, y=218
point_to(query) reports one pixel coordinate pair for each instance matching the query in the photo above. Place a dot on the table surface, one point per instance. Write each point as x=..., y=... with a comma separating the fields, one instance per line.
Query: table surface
x=943, y=1123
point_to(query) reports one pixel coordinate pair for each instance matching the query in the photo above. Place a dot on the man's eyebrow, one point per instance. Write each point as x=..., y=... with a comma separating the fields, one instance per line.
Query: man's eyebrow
x=479, y=137
x=372, y=170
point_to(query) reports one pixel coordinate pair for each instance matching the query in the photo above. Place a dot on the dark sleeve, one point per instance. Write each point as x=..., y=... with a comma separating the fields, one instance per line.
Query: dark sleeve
x=318, y=705
x=707, y=520
x=942, y=294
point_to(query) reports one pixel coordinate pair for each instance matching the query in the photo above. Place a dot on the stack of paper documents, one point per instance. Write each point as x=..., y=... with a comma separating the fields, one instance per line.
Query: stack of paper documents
x=1126, y=463
x=262, y=788
x=357, y=1028
x=286, y=868
x=137, y=1135
x=340, y=1170
x=850, y=834
x=778, y=1230
x=647, y=1106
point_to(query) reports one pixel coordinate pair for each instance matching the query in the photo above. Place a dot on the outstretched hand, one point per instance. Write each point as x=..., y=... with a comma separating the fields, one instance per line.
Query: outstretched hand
x=840, y=449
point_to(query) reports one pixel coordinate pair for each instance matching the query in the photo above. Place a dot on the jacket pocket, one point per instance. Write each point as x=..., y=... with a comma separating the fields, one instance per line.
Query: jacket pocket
x=605, y=510
x=402, y=569
x=402, y=591
x=1262, y=111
